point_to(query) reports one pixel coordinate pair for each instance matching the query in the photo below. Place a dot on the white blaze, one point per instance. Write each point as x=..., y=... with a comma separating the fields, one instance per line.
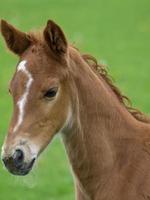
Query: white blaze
x=23, y=99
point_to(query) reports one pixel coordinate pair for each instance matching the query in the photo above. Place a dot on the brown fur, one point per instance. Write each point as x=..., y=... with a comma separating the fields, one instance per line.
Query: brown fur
x=108, y=143
x=16, y=40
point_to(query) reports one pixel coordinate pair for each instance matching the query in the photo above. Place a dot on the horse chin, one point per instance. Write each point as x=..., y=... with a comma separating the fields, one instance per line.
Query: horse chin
x=24, y=170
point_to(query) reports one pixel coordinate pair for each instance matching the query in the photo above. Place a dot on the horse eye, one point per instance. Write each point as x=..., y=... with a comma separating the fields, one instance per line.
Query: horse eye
x=51, y=93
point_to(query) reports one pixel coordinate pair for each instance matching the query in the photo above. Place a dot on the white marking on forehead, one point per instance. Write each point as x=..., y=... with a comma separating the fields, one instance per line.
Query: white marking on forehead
x=23, y=99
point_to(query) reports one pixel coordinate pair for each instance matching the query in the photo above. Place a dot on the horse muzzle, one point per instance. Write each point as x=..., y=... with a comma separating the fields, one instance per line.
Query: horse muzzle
x=16, y=163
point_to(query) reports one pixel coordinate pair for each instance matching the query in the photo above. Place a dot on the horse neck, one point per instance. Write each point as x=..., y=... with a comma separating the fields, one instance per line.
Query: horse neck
x=100, y=121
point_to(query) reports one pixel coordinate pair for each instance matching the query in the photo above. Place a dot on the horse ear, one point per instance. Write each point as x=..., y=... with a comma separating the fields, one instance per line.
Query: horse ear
x=16, y=40
x=55, y=38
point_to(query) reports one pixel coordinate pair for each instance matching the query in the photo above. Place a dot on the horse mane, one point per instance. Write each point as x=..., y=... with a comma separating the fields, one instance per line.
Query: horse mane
x=100, y=70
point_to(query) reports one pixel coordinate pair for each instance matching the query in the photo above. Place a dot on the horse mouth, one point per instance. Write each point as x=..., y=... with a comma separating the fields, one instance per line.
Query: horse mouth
x=22, y=170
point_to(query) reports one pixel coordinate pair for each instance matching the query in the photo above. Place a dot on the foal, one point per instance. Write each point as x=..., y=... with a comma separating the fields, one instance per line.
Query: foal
x=56, y=89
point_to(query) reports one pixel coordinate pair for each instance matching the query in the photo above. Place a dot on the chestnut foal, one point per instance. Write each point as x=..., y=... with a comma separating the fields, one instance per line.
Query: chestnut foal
x=55, y=90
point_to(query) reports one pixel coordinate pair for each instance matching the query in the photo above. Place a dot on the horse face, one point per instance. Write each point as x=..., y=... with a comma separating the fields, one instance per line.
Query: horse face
x=40, y=93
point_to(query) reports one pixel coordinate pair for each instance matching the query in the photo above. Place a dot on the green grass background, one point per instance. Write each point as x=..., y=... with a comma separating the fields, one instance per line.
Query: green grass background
x=115, y=32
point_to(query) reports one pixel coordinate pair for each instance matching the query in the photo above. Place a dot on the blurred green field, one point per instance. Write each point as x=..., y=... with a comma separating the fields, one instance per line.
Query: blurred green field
x=115, y=32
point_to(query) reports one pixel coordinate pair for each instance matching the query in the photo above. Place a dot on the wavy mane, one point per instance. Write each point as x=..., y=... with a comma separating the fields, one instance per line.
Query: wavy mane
x=100, y=70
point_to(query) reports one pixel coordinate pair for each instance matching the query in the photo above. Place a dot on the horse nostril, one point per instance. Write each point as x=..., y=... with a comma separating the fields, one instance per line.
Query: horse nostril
x=18, y=158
